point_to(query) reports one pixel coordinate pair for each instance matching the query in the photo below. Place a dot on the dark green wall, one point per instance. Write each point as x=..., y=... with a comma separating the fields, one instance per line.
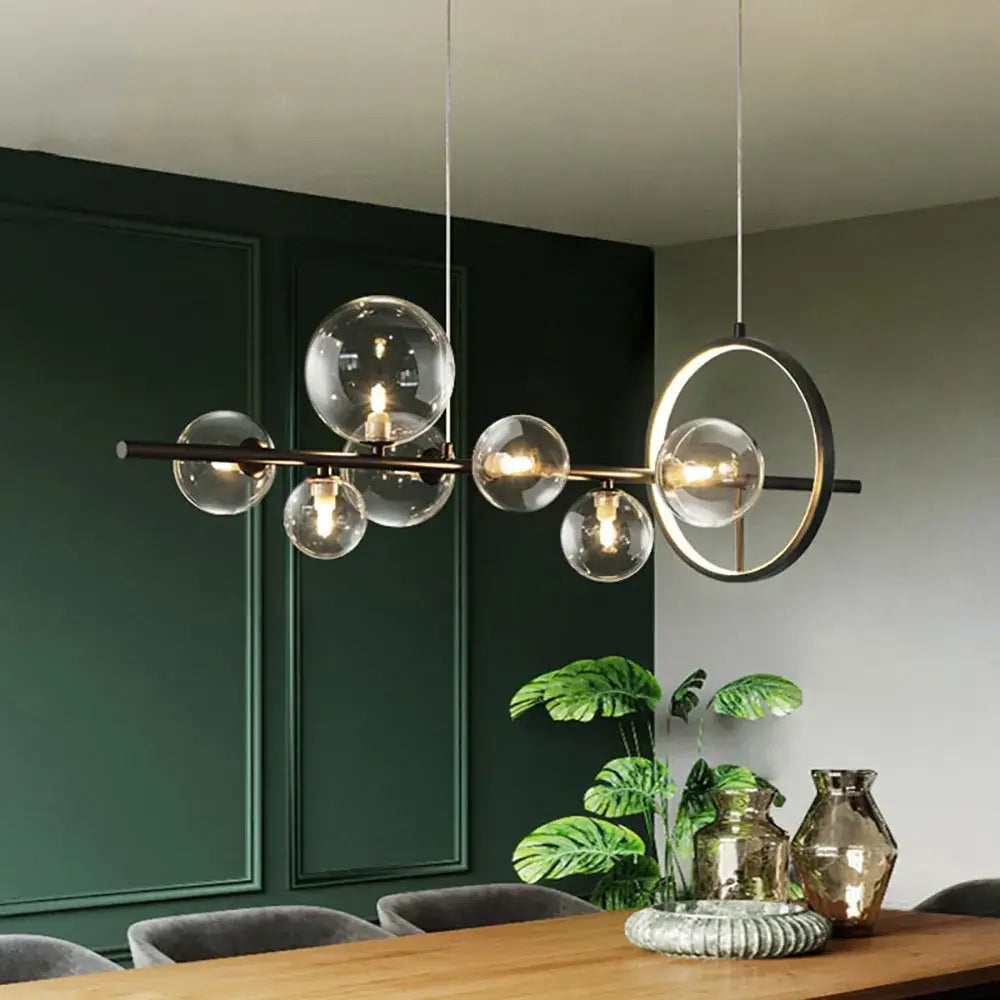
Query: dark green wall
x=193, y=718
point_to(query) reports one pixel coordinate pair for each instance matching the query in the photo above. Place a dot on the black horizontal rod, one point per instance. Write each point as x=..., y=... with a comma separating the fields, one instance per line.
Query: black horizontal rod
x=238, y=455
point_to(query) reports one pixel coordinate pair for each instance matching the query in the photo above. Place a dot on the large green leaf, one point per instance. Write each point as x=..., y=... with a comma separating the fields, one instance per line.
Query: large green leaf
x=752, y=696
x=628, y=786
x=779, y=798
x=578, y=692
x=733, y=776
x=695, y=808
x=531, y=694
x=685, y=699
x=574, y=845
x=631, y=883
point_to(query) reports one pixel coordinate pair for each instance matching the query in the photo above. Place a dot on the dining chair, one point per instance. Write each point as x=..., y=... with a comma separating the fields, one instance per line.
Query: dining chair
x=26, y=957
x=192, y=937
x=475, y=906
x=978, y=898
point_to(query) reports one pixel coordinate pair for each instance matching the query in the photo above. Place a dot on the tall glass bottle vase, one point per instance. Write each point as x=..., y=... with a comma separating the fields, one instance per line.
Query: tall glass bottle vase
x=743, y=854
x=843, y=851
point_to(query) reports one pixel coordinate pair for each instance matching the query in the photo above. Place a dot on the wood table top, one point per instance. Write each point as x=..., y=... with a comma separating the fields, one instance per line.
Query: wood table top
x=911, y=954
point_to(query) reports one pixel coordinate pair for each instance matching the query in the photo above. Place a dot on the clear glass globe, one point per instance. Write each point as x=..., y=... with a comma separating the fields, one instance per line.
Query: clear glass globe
x=401, y=499
x=710, y=472
x=224, y=487
x=379, y=369
x=607, y=535
x=325, y=517
x=520, y=463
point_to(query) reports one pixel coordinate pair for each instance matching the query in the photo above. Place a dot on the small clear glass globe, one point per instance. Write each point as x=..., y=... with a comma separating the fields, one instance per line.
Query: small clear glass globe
x=379, y=369
x=401, y=499
x=224, y=487
x=607, y=535
x=520, y=463
x=325, y=517
x=709, y=472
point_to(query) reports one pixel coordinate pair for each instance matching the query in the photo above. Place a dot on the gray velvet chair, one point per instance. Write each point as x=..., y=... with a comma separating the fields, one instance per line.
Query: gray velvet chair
x=979, y=898
x=475, y=906
x=225, y=933
x=26, y=957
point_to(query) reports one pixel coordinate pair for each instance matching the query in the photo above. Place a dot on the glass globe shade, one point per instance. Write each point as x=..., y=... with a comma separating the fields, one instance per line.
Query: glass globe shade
x=520, y=463
x=325, y=517
x=379, y=369
x=401, y=499
x=710, y=472
x=607, y=535
x=224, y=487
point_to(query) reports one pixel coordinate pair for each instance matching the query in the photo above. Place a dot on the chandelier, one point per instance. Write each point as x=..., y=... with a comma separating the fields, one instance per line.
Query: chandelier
x=379, y=372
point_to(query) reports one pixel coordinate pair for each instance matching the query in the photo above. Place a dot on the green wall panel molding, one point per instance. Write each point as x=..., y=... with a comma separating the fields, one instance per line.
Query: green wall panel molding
x=344, y=822
x=147, y=652
x=65, y=321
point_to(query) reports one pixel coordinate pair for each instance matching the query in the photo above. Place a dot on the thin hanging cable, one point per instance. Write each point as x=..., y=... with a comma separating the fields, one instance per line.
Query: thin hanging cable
x=739, y=161
x=447, y=198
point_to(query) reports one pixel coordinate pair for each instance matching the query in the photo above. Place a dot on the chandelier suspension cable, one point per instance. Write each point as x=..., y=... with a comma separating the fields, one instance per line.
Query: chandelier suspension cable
x=739, y=169
x=447, y=197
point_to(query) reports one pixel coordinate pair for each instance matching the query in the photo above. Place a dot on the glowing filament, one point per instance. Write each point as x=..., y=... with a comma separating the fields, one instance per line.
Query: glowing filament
x=324, y=497
x=380, y=345
x=606, y=508
x=503, y=464
x=225, y=466
x=377, y=425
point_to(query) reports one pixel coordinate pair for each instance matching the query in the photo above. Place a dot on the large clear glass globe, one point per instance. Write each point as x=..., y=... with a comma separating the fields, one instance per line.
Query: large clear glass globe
x=710, y=472
x=401, y=499
x=607, y=535
x=379, y=369
x=520, y=463
x=224, y=487
x=325, y=517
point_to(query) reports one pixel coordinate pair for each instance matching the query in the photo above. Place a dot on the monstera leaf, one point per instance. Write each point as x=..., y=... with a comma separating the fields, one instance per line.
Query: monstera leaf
x=611, y=686
x=696, y=808
x=685, y=699
x=628, y=786
x=574, y=845
x=631, y=883
x=751, y=697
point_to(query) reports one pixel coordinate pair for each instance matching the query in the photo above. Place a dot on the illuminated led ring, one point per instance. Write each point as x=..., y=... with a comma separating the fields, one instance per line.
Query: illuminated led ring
x=822, y=433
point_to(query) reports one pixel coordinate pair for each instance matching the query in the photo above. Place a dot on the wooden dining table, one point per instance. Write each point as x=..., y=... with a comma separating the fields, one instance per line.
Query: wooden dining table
x=910, y=955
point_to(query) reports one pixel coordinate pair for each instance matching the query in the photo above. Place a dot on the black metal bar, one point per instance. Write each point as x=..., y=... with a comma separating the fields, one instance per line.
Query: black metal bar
x=172, y=451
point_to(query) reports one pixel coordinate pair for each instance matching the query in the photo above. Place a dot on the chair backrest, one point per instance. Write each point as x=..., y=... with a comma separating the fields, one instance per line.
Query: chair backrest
x=979, y=898
x=475, y=906
x=224, y=933
x=26, y=957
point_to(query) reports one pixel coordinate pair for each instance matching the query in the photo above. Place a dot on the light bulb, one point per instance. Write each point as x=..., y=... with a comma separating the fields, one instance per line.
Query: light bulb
x=379, y=341
x=709, y=472
x=504, y=464
x=224, y=487
x=324, y=496
x=325, y=517
x=606, y=509
x=520, y=463
x=607, y=535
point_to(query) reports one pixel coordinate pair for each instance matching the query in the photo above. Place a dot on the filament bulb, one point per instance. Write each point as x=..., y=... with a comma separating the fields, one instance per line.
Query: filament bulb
x=324, y=497
x=501, y=463
x=225, y=467
x=380, y=345
x=606, y=508
x=377, y=425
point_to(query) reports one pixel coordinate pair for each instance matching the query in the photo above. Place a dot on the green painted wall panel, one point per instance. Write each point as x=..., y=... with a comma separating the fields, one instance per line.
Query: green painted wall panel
x=125, y=676
x=123, y=630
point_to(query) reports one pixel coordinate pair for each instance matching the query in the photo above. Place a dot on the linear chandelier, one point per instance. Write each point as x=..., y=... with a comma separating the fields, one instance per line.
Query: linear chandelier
x=379, y=372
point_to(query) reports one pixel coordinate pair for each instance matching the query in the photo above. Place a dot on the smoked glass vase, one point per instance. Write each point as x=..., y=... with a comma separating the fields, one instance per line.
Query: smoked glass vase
x=843, y=851
x=743, y=854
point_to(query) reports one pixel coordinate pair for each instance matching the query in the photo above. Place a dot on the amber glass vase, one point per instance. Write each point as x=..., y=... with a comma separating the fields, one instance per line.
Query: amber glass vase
x=743, y=854
x=844, y=852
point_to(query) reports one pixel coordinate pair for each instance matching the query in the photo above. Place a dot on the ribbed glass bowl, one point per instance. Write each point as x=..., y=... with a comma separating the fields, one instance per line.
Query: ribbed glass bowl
x=728, y=929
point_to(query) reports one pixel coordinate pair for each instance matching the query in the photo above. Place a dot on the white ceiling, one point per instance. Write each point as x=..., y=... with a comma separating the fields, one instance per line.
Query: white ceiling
x=609, y=118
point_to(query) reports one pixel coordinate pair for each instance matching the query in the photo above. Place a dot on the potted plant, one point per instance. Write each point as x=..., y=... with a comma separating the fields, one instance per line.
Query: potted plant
x=631, y=871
